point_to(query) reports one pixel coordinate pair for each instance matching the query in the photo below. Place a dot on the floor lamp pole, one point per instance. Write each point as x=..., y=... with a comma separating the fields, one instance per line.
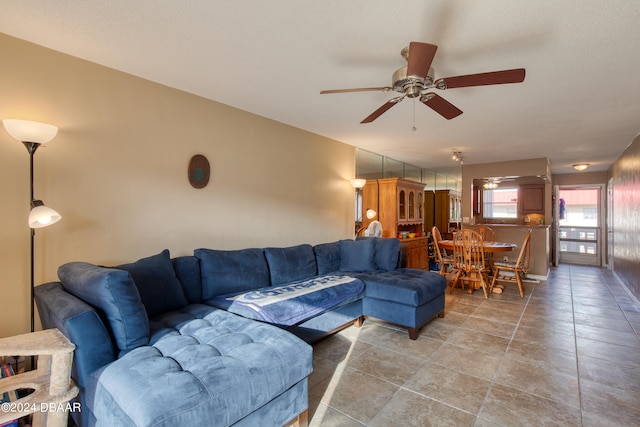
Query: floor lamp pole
x=31, y=148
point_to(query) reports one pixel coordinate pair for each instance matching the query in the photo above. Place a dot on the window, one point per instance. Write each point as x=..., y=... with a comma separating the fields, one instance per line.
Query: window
x=500, y=203
x=589, y=213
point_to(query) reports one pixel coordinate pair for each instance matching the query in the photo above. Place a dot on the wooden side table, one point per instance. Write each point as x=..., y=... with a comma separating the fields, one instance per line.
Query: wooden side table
x=53, y=389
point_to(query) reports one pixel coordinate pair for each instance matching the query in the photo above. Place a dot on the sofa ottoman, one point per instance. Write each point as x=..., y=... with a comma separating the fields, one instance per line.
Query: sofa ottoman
x=407, y=297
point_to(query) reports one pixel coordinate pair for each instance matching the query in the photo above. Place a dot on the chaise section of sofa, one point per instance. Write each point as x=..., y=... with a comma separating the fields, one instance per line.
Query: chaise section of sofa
x=201, y=364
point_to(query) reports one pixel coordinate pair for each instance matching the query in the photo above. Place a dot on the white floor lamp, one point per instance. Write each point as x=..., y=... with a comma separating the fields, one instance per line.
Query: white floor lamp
x=32, y=135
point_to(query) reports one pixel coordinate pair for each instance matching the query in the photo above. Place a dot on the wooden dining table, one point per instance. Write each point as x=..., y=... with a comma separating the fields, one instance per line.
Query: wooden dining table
x=489, y=247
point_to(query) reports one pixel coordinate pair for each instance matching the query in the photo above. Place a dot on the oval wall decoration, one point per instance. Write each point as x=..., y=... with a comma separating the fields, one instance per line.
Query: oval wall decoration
x=199, y=171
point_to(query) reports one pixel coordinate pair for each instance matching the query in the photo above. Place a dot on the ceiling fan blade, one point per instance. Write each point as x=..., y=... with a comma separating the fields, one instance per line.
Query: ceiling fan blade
x=362, y=89
x=440, y=105
x=420, y=58
x=482, y=79
x=380, y=111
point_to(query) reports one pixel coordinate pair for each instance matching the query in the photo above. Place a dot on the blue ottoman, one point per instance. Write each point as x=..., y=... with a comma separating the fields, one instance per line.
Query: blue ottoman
x=407, y=297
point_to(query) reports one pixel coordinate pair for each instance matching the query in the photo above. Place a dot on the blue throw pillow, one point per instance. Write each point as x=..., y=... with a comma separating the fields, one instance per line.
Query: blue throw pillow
x=225, y=272
x=357, y=255
x=115, y=295
x=155, y=278
x=287, y=265
x=327, y=257
x=387, y=253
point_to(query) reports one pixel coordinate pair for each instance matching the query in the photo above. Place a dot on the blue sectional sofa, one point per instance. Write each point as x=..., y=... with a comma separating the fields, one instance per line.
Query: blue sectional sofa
x=221, y=337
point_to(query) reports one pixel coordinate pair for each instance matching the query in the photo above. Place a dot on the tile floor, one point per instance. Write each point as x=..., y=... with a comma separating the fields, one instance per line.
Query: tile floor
x=568, y=354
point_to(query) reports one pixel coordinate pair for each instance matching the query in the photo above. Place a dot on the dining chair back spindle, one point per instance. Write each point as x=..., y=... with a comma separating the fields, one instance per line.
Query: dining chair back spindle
x=518, y=268
x=469, y=259
x=487, y=233
x=443, y=259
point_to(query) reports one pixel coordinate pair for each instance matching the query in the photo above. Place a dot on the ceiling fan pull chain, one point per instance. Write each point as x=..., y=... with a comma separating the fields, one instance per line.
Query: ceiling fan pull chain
x=414, y=115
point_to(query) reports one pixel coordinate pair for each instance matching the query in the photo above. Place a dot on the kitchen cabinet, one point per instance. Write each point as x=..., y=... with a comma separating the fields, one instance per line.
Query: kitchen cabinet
x=531, y=198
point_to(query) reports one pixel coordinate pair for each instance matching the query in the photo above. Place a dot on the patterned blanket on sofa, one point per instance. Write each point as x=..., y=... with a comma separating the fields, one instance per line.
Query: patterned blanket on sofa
x=295, y=302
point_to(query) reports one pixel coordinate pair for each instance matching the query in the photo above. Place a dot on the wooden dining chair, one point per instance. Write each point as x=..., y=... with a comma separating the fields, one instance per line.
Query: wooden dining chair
x=518, y=268
x=443, y=259
x=468, y=254
x=487, y=233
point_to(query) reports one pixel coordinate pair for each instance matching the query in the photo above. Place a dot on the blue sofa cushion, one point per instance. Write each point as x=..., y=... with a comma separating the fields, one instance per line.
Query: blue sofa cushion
x=327, y=257
x=224, y=272
x=157, y=283
x=387, y=253
x=357, y=255
x=405, y=285
x=187, y=270
x=290, y=264
x=114, y=293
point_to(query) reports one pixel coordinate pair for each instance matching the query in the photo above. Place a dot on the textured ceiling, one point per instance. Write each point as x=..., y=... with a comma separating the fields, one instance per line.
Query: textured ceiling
x=580, y=101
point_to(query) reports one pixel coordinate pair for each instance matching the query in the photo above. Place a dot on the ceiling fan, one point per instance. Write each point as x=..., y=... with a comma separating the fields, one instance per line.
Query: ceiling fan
x=416, y=80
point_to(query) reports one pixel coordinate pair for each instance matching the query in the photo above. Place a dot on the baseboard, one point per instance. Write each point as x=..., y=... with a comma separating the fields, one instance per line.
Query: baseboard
x=633, y=297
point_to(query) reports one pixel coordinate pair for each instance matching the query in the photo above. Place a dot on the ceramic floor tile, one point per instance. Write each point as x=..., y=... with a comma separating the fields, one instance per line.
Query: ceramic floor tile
x=610, y=406
x=615, y=353
x=479, y=342
x=449, y=386
x=592, y=310
x=546, y=357
x=560, y=312
x=356, y=394
x=489, y=326
x=439, y=330
x=421, y=348
x=550, y=325
x=621, y=325
x=499, y=314
x=608, y=302
x=339, y=349
x=510, y=407
x=546, y=336
x=326, y=416
x=466, y=360
x=386, y=364
x=459, y=307
x=540, y=379
x=410, y=409
x=627, y=339
x=610, y=373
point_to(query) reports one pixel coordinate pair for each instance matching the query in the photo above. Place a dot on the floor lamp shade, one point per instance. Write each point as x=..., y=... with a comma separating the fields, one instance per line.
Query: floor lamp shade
x=28, y=131
x=42, y=216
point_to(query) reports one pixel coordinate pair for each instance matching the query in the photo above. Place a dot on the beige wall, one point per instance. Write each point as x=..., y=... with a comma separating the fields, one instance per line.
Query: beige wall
x=117, y=172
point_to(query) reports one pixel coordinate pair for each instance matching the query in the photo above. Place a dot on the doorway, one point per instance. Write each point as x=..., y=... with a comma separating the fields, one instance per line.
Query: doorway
x=579, y=215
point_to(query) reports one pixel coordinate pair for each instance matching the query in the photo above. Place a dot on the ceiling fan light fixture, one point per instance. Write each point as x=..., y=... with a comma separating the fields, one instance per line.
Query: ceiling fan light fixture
x=490, y=185
x=581, y=166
